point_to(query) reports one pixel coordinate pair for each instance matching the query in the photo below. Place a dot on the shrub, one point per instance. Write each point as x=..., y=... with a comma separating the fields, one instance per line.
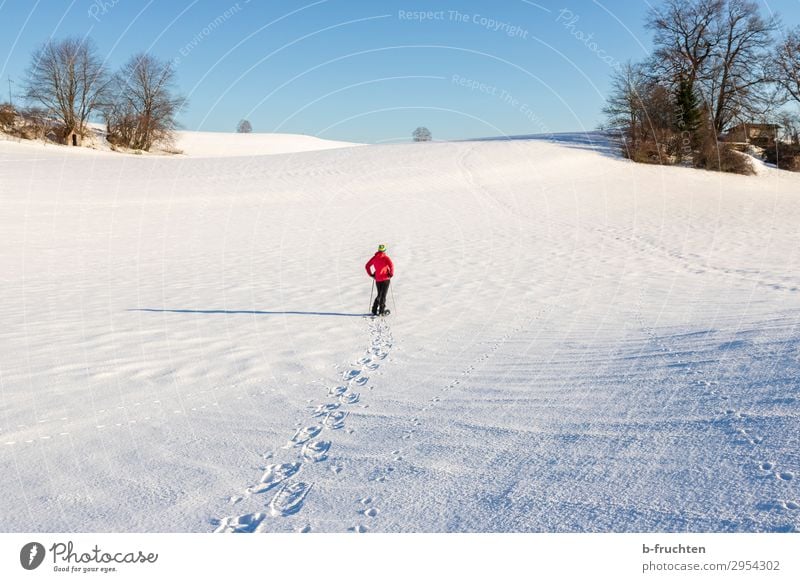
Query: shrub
x=37, y=124
x=647, y=152
x=784, y=156
x=721, y=157
x=8, y=117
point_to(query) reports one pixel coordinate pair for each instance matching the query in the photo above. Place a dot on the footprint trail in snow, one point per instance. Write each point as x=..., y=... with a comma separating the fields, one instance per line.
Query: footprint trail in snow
x=307, y=447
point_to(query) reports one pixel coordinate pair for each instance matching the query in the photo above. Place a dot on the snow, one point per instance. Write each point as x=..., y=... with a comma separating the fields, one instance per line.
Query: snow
x=201, y=144
x=211, y=144
x=577, y=343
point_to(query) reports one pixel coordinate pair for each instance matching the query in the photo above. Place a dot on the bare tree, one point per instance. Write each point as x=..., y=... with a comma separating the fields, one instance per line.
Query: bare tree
x=624, y=108
x=787, y=65
x=718, y=49
x=69, y=81
x=685, y=37
x=244, y=127
x=739, y=65
x=145, y=103
x=122, y=121
x=641, y=109
x=422, y=134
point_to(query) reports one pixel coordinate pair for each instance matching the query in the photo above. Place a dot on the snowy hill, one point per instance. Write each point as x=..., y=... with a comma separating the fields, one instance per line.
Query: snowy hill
x=201, y=144
x=577, y=343
x=211, y=144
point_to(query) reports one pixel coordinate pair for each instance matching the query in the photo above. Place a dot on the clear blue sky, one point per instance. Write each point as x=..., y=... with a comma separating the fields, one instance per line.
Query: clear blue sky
x=368, y=71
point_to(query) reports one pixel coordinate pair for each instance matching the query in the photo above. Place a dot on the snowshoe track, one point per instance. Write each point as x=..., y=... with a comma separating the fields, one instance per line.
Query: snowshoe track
x=289, y=499
x=308, y=451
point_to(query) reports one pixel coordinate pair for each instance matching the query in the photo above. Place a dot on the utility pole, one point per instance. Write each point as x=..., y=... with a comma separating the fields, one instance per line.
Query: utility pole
x=10, y=98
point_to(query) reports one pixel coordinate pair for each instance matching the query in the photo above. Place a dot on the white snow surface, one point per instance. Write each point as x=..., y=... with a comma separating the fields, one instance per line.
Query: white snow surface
x=210, y=144
x=577, y=343
x=198, y=144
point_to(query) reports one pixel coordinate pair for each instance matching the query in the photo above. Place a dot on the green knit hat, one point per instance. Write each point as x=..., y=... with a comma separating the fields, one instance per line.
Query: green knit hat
x=381, y=248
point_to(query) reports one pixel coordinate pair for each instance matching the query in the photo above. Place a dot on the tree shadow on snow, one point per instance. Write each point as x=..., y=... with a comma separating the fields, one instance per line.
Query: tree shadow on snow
x=248, y=312
x=604, y=143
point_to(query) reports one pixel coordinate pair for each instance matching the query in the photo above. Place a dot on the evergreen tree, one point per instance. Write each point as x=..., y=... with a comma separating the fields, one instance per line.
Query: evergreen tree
x=688, y=119
x=687, y=110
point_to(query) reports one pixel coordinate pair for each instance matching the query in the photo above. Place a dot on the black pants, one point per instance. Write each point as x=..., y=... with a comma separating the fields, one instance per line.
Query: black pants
x=379, y=306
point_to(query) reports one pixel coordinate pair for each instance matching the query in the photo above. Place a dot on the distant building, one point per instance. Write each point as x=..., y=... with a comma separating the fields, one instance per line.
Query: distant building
x=73, y=139
x=757, y=134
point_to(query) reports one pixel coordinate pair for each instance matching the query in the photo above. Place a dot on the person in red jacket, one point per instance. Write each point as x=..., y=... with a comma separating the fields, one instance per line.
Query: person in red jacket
x=380, y=268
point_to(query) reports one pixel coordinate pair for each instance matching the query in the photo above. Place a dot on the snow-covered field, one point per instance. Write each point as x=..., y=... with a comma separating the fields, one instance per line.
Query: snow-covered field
x=211, y=144
x=198, y=144
x=577, y=343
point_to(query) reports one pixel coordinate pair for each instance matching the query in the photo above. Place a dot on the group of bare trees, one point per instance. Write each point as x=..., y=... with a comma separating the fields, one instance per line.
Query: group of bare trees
x=68, y=83
x=716, y=63
x=144, y=104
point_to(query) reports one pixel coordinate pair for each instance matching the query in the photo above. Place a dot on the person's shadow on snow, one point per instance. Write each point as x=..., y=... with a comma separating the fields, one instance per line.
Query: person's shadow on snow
x=248, y=312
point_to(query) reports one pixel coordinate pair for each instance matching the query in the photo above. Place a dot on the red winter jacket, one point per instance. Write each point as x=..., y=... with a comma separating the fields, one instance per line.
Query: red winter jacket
x=384, y=269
